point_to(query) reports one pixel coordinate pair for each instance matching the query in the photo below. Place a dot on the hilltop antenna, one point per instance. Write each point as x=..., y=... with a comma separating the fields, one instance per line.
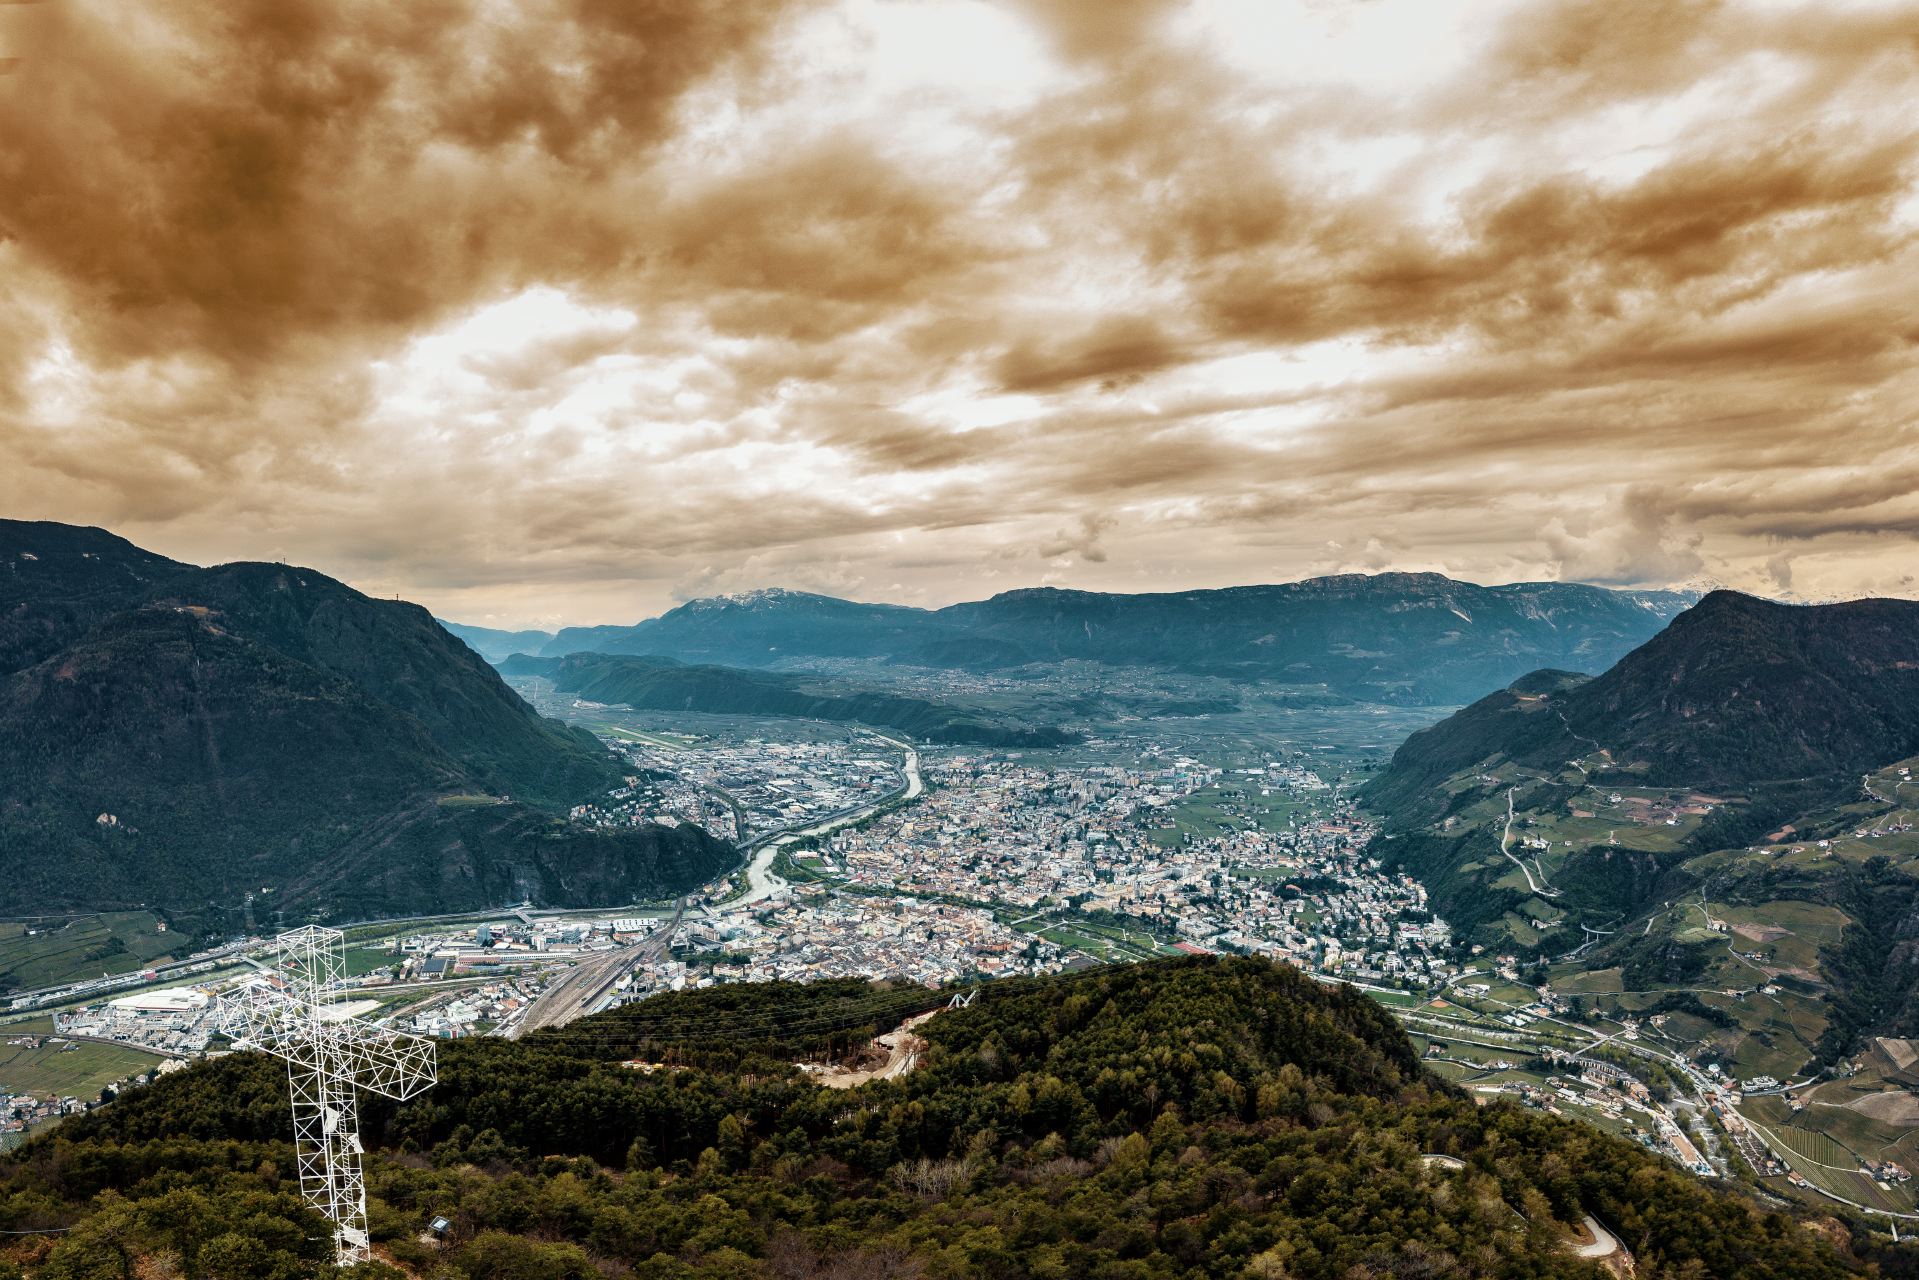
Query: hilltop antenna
x=284, y=1013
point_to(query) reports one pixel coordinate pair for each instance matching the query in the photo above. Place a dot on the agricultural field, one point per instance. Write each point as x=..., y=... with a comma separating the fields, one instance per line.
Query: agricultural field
x=1751, y=1032
x=1869, y=1116
x=1589, y=982
x=44, y=954
x=1814, y=1151
x=63, y=1068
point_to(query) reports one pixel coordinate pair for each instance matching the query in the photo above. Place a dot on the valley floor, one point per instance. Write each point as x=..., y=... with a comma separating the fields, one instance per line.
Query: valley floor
x=962, y=865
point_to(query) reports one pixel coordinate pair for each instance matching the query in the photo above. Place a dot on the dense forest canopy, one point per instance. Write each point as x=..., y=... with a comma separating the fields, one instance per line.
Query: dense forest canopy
x=1193, y=1117
x=180, y=738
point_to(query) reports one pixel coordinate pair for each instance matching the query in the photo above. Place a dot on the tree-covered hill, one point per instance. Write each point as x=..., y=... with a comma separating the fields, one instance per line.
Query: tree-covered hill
x=1742, y=691
x=181, y=738
x=56, y=580
x=662, y=684
x=1195, y=1117
x=1777, y=709
x=1737, y=692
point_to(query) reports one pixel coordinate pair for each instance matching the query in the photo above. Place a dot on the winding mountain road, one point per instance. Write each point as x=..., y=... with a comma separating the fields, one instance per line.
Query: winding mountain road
x=1604, y=1243
x=1506, y=839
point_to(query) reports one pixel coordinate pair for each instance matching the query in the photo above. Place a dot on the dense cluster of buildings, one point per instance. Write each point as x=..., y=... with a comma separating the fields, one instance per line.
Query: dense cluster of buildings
x=1093, y=839
x=512, y=945
x=988, y=874
x=965, y=883
x=1002, y=830
x=815, y=932
x=21, y=1113
x=738, y=790
x=177, y=1022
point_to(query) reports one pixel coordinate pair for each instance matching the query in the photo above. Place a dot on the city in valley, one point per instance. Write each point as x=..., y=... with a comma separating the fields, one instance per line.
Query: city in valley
x=866, y=855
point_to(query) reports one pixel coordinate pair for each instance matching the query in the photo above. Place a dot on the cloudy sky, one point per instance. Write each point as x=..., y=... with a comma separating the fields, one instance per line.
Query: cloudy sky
x=545, y=311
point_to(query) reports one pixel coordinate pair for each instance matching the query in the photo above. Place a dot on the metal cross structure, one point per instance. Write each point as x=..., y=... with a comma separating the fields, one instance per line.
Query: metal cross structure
x=285, y=1012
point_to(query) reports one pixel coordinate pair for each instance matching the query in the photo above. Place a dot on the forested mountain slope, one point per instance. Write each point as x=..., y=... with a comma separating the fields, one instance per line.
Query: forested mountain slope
x=182, y=738
x=1196, y=1117
x=1736, y=692
x=1743, y=766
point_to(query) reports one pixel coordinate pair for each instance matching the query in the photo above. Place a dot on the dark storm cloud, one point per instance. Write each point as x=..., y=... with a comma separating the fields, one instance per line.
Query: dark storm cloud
x=1113, y=350
x=571, y=305
x=224, y=177
x=1098, y=30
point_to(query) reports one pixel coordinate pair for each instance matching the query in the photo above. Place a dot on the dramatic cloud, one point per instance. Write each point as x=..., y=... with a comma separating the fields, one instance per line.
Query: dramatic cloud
x=560, y=310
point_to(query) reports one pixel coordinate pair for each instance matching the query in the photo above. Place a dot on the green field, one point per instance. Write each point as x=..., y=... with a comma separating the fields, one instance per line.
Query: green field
x=361, y=961
x=800, y=868
x=78, y=1069
x=1231, y=806
x=1586, y=981
x=1124, y=939
x=1098, y=941
x=44, y=955
x=1396, y=999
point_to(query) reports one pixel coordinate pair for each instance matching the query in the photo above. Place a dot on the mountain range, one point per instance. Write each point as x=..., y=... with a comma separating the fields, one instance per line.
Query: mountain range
x=1415, y=638
x=495, y=645
x=184, y=737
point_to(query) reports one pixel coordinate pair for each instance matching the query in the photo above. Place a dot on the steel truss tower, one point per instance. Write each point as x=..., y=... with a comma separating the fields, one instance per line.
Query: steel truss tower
x=285, y=1012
